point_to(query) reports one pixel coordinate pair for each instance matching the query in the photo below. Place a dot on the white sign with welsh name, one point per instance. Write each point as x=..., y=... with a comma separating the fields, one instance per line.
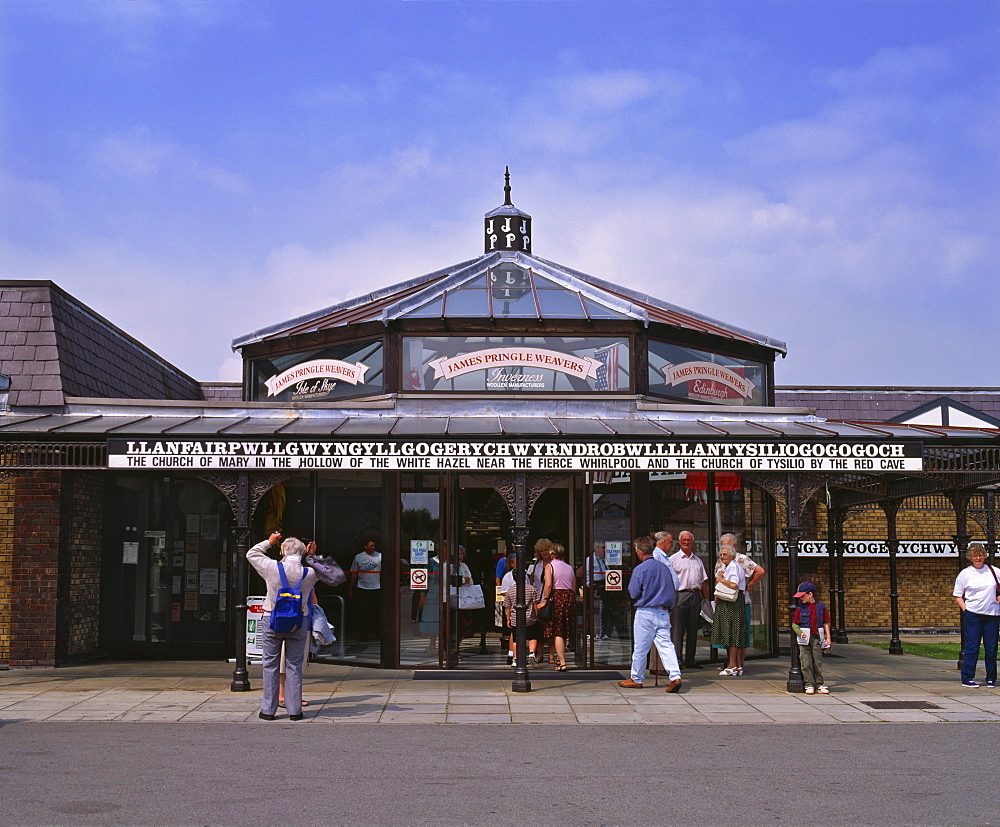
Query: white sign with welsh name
x=515, y=455
x=875, y=548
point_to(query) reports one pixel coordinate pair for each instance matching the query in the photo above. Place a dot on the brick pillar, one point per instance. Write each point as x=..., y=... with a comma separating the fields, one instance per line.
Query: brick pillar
x=35, y=571
x=6, y=556
x=80, y=573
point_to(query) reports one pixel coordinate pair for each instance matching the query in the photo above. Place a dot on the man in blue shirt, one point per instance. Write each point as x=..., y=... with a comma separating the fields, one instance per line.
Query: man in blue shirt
x=653, y=595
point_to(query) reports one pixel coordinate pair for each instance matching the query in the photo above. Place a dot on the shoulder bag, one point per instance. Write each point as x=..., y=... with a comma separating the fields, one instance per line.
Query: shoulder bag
x=724, y=592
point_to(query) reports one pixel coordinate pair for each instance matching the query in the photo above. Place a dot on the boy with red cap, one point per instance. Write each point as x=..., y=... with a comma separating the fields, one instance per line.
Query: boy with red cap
x=811, y=623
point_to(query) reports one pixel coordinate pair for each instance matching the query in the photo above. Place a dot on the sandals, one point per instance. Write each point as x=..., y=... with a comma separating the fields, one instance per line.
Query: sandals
x=561, y=668
x=282, y=704
x=729, y=673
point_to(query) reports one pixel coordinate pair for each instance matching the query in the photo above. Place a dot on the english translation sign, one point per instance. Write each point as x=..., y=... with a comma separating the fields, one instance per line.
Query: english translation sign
x=514, y=455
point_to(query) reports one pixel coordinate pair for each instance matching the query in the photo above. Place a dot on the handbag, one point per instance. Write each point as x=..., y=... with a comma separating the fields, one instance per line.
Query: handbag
x=327, y=569
x=545, y=613
x=468, y=597
x=724, y=592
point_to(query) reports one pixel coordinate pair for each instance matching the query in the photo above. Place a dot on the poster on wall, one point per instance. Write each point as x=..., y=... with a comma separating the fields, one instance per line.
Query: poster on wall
x=209, y=581
x=698, y=376
x=210, y=526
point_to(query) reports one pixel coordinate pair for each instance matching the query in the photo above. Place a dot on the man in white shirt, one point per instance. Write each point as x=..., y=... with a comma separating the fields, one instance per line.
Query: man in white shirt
x=691, y=590
x=661, y=551
x=365, y=591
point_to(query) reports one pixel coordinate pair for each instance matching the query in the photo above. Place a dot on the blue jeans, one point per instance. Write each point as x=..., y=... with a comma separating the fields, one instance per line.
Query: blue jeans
x=978, y=628
x=652, y=627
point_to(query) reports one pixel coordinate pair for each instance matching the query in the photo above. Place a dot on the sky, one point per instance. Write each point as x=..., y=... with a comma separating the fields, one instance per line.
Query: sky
x=822, y=172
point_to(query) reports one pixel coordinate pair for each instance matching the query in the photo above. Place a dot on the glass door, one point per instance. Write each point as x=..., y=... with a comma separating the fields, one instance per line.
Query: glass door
x=420, y=592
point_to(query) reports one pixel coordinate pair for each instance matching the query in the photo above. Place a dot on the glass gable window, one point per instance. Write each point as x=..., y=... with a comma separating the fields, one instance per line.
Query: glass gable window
x=518, y=363
x=339, y=372
x=697, y=376
x=510, y=291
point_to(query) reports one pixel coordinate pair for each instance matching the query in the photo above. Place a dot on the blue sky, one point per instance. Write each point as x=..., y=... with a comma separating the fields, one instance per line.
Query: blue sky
x=823, y=172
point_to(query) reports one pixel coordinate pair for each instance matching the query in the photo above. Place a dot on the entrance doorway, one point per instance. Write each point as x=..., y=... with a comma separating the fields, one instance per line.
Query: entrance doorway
x=466, y=528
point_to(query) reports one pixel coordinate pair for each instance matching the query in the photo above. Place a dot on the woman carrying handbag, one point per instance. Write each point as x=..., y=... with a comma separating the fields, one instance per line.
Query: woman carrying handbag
x=730, y=627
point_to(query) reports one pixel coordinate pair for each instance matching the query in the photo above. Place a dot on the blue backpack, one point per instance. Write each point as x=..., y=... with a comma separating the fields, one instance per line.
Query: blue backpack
x=288, y=613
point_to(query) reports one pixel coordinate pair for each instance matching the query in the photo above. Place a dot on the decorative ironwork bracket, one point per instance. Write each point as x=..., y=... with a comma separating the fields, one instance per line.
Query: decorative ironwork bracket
x=774, y=484
x=229, y=483
x=506, y=486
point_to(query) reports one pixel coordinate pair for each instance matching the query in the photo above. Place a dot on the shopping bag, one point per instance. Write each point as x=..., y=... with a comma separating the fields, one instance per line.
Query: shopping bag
x=471, y=597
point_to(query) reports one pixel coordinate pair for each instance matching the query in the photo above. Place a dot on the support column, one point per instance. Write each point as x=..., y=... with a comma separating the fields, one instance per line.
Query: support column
x=243, y=494
x=521, y=682
x=831, y=555
x=991, y=526
x=793, y=533
x=960, y=502
x=891, y=509
x=241, y=544
x=840, y=634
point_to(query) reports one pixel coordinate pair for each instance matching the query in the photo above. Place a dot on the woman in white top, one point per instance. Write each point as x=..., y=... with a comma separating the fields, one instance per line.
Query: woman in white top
x=976, y=594
x=730, y=626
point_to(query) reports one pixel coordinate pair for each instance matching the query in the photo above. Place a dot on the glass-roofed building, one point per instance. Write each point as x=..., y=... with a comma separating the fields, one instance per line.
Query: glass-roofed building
x=451, y=419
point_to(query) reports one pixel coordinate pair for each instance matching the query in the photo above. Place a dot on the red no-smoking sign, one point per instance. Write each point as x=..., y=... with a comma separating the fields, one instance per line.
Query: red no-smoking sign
x=418, y=579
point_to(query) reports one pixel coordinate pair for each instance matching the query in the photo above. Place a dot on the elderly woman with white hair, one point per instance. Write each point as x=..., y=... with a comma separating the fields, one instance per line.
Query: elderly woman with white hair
x=754, y=574
x=975, y=592
x=303, y=578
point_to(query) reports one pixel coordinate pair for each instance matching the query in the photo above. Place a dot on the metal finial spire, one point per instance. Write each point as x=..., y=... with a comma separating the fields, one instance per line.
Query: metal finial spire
x=506, y=188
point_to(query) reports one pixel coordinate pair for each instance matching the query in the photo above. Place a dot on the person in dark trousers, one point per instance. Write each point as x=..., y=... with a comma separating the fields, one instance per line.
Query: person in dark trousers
x=686, y=619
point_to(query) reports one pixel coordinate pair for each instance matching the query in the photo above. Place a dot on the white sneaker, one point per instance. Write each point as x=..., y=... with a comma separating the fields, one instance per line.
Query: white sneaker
x=822, y=690
x=532, y=660
x=810, y=690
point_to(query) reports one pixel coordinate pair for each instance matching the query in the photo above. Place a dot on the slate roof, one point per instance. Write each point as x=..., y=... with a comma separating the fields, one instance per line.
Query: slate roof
x=879, y=404
x=52, y=346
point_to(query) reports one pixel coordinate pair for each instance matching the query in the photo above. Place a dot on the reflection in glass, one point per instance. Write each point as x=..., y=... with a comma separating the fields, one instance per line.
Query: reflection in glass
x=699, y=376
x=466, y=303
x=612, y=613
x=419, y=610
x=518, y=363
x=561, y=304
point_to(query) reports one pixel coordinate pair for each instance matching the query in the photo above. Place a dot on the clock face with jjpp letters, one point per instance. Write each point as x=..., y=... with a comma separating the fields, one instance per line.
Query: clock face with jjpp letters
x=508, y=282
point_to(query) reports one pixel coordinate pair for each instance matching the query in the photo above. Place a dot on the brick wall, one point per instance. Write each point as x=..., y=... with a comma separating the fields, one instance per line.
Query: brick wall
x=925, y=586
x=6, y=555
x=35, y=572
x=83, y=507
x=924, y=583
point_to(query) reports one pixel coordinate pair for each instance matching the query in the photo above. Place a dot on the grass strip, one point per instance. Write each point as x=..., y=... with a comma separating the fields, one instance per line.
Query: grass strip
x=944, y=650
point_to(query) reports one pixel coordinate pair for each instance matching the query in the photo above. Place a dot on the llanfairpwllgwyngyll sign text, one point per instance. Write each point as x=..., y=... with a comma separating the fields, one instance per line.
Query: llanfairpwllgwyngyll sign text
x=514, y=455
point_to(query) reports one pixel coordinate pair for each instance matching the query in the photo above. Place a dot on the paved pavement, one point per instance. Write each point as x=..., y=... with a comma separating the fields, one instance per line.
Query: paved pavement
x=198, y=691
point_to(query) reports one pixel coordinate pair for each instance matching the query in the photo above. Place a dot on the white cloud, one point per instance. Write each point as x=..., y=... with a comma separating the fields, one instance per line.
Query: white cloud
x=139, y=156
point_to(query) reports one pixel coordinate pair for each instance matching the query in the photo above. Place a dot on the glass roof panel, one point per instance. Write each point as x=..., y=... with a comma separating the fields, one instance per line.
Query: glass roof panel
x=467, y=303
x=480, y=281
x=543, y=283
x=561, y=303
x=519, y=305
x=599, y=311
x=431, y=309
